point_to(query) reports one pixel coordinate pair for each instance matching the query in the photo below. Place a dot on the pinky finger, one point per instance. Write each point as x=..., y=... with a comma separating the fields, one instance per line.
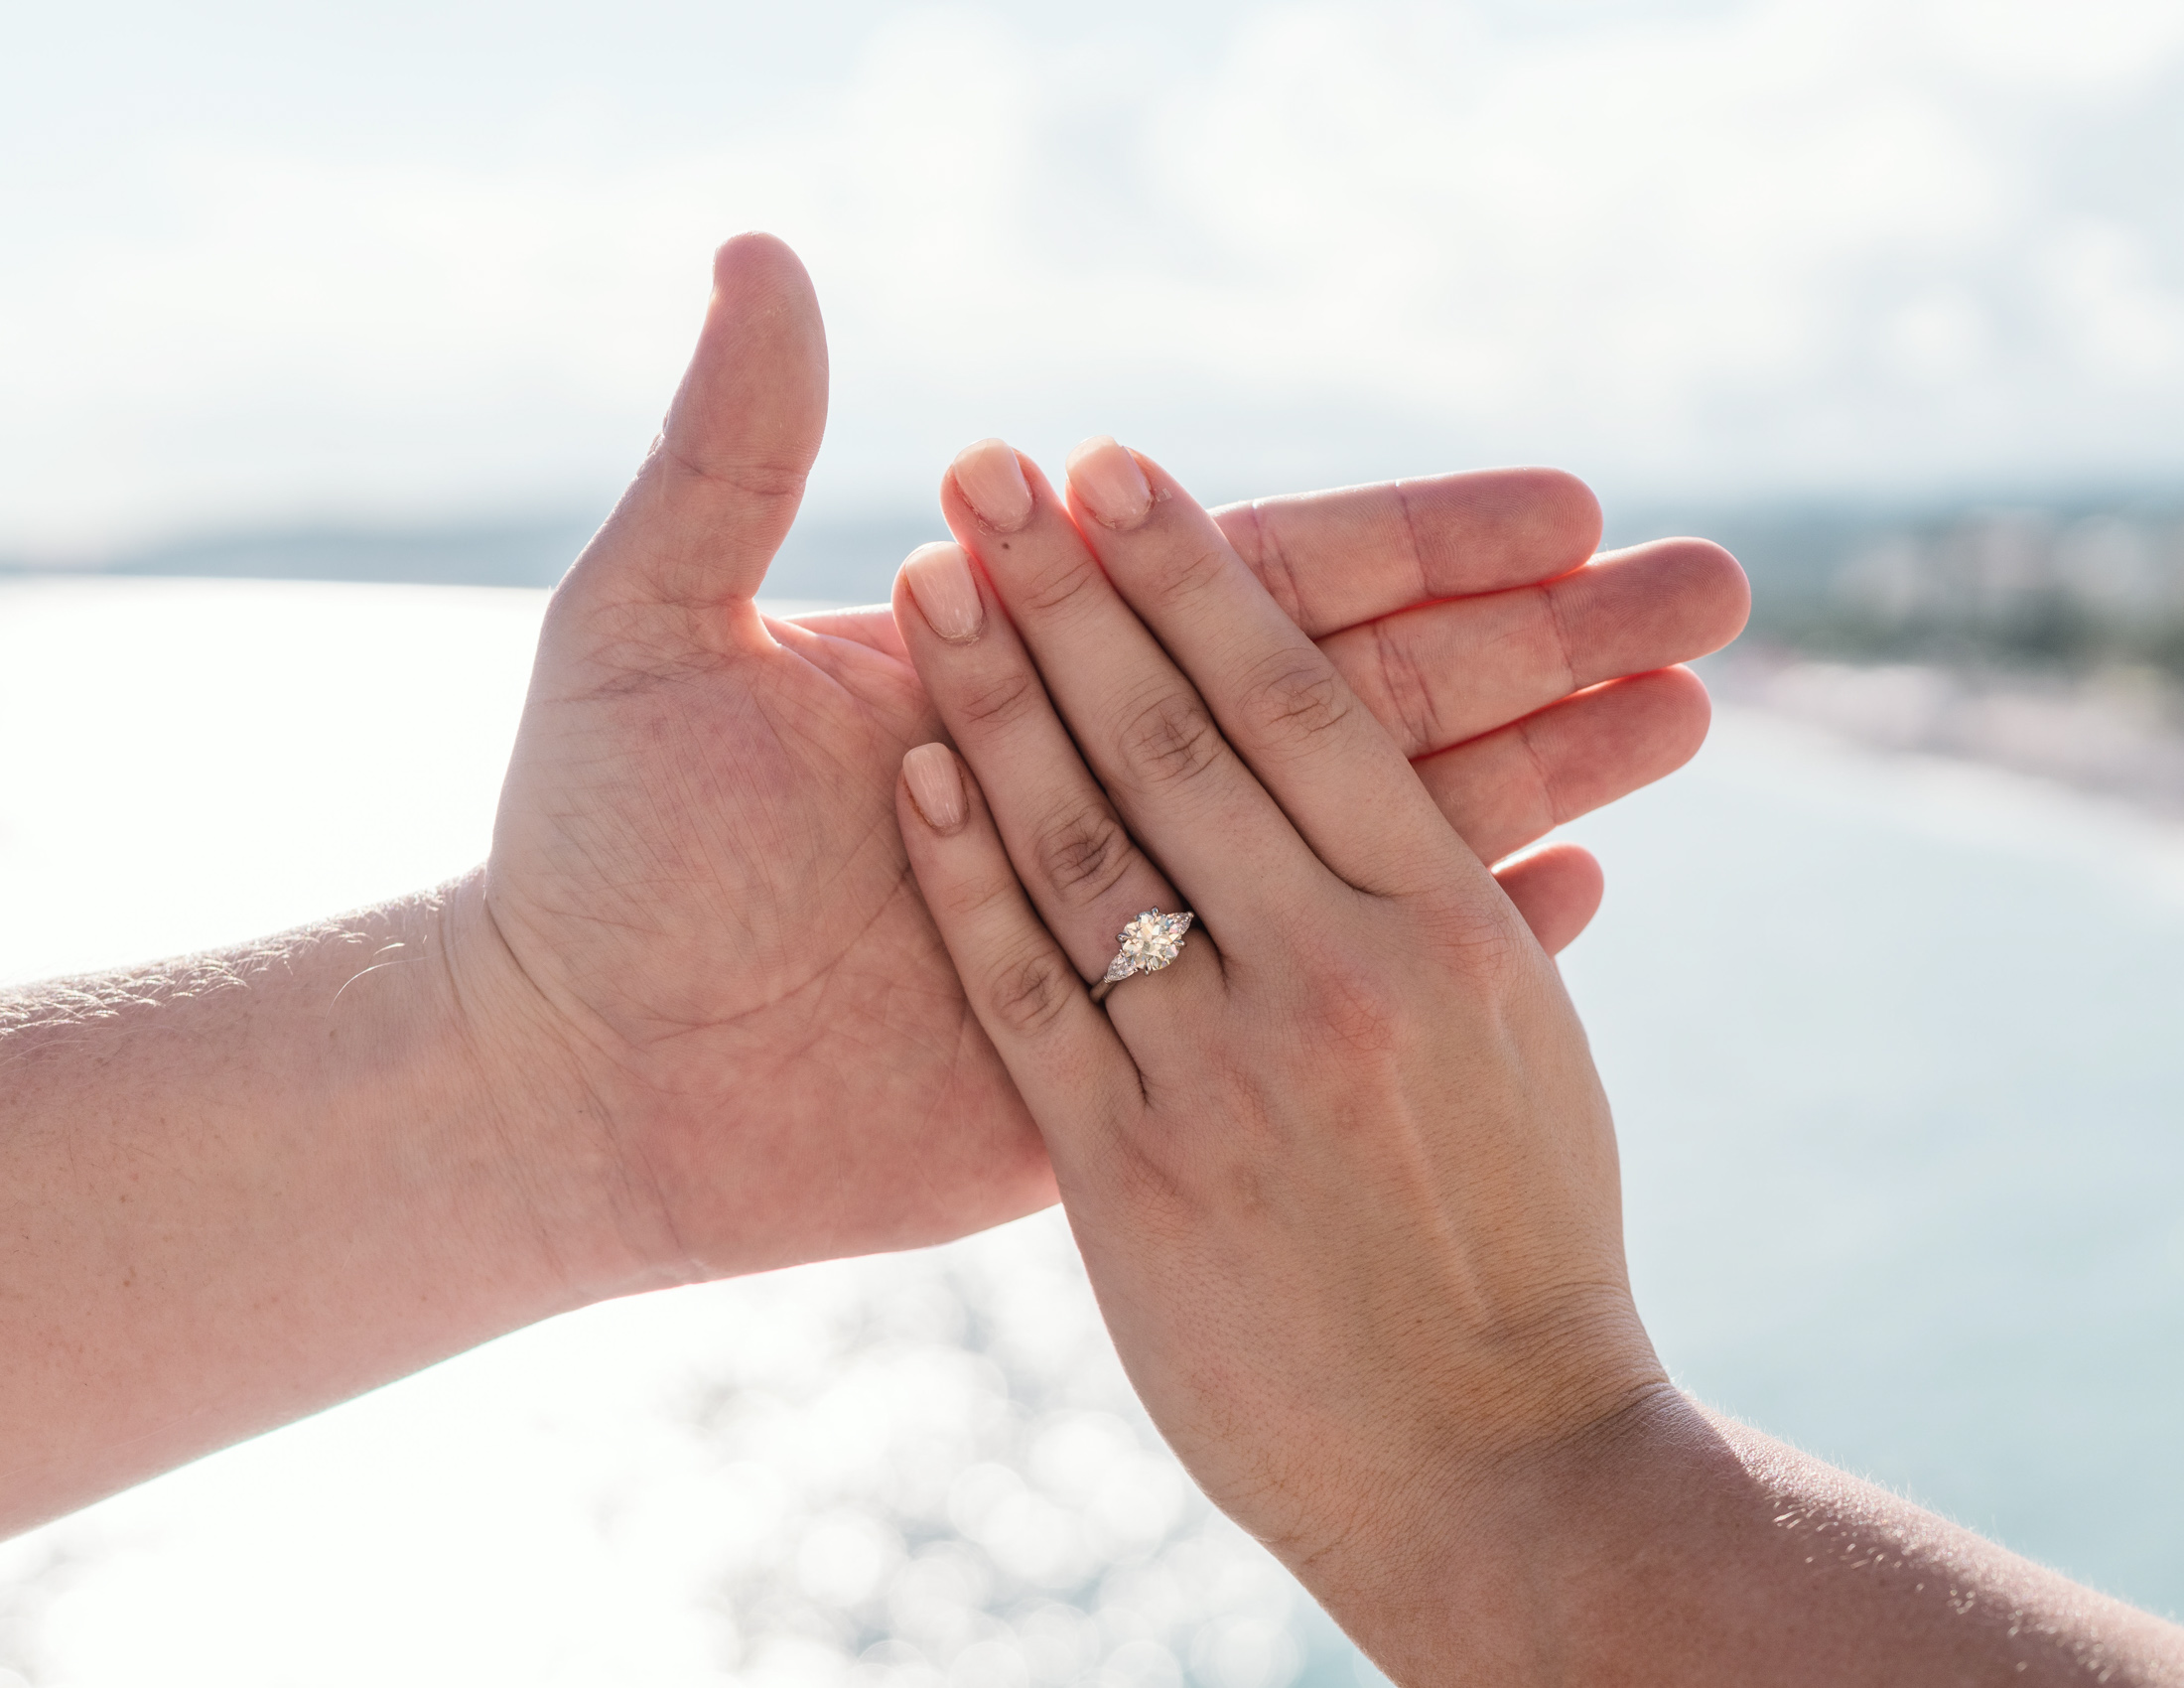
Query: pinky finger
x=1070, y=1068
x=1556, y=890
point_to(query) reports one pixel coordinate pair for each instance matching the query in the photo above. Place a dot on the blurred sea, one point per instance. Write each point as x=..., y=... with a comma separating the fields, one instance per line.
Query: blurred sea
x=1897, y=1053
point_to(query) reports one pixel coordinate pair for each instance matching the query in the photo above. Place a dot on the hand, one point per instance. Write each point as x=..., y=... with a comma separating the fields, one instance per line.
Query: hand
x=703, y=929
x=1343, y=1172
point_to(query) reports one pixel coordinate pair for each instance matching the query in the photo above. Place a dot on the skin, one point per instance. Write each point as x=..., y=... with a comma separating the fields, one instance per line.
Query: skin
x=1343, y=1174
x=692, y=1017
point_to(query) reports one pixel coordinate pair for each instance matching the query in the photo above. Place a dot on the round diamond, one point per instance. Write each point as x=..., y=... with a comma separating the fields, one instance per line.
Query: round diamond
x=1153, y=939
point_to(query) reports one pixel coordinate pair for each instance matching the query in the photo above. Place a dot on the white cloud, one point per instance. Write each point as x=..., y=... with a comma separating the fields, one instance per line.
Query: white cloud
x=1720, y=247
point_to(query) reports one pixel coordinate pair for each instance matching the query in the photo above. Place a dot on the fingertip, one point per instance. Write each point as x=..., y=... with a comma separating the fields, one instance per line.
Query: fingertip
x=939, y=580
x=1506, y=789
x=1725, y=588
x=1557, y=890
x=1682, y=709
x=757, y=259
x=935, y=781
x=1613, y=738
x=990, y=480
x=1486, y=529
x=1565, y=511
x=1107, y=480
x=764, y=341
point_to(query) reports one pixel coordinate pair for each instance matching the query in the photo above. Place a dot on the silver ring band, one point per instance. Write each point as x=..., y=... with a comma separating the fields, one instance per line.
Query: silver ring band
x=1147, y=944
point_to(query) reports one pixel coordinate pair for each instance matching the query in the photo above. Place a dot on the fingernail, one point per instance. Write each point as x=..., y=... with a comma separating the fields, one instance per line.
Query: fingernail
x=992, y=482
x=937, y=786
x=1109, y=480
x=940, y=581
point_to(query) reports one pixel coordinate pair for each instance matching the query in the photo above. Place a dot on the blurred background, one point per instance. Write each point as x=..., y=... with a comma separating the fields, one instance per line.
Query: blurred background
x=327, y=334
x=1888, y=295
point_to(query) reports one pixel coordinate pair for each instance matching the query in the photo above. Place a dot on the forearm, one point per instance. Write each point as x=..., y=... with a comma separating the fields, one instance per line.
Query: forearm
x=1682, y=1548
x=235, y=1188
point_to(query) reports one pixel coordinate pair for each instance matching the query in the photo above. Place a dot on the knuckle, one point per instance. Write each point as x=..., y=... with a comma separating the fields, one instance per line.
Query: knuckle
x=1296, y=702
x=1029, y=992
x=1404, y=683
x=1000, y=699
x=1170, y=739
x=759, y=478
x=1187, y=573
x=1556, y=634
x=1057, y=588
x=1481, y=940
x=1357, y=1007
x=968, y=899
x=1083, y=853
x=1254, y=533
x=767, y=479
x=1539, y=768
x=1146, y=1177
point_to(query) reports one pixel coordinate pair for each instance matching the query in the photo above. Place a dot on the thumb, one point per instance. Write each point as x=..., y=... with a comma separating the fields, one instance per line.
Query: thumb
x=717, y=494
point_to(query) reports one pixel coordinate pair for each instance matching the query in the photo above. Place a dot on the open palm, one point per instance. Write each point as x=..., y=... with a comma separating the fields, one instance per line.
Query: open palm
x=697, y=868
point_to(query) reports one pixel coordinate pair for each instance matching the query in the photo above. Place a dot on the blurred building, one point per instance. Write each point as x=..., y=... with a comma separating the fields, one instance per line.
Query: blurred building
x=2046, y=639
x=2036, y=581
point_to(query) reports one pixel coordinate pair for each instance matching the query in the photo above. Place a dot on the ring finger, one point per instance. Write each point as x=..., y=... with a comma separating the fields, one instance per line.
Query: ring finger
x=1084, y=873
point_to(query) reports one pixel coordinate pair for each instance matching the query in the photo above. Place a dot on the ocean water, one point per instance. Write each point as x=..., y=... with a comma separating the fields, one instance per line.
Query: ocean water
x=1896, y=1045
x=1897, y=1053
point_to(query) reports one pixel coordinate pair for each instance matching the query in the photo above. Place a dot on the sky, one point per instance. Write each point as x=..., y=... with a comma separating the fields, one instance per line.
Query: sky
x=267, y=263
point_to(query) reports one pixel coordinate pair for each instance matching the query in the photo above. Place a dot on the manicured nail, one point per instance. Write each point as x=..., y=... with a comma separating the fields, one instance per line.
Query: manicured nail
x=1109, y=480
x=940, y=581
x=992, y=482
x=937, y=786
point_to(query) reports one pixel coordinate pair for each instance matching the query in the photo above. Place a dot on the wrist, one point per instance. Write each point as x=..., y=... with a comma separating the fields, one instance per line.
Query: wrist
x=532, y=1106
x=1669, y=1545
x=1476, y=1566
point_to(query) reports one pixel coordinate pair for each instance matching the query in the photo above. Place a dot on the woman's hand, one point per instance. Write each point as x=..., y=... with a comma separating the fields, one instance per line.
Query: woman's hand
x=1342, y=1173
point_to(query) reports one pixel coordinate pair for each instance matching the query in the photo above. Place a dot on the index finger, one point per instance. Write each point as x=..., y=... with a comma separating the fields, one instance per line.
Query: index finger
x=1342, y=781
x=1336, y=558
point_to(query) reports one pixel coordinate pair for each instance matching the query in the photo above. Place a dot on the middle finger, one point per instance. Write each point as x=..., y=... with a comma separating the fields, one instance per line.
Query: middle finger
x=1440, y=673
x=1139, y=721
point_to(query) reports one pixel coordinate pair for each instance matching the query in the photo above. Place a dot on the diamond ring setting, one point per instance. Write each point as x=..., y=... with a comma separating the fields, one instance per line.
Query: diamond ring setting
x=1149, y=943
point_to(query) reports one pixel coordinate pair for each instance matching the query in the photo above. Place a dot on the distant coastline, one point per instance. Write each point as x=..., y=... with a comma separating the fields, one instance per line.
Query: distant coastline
x=840, y=560
x=2045, y=638
x=2116, y=732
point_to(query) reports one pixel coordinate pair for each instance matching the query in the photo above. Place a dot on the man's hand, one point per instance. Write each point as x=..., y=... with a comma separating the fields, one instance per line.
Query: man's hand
x=692, y=1018
x=705, y=949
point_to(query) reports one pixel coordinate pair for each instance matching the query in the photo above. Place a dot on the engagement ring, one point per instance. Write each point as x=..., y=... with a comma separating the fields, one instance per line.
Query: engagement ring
x=1149, y=943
